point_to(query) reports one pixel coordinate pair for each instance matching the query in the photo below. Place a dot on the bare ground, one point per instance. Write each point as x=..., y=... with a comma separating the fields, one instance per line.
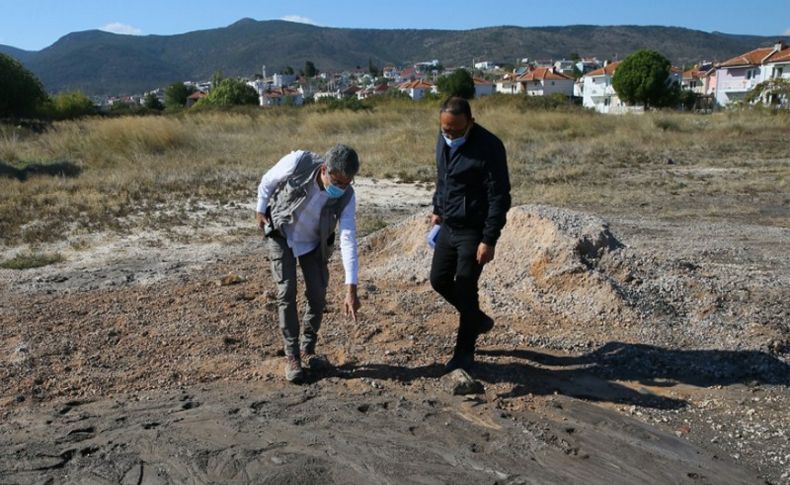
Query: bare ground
x=642, y=351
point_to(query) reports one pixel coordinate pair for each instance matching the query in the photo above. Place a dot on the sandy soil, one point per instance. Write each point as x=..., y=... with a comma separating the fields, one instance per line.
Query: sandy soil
x=637, y=351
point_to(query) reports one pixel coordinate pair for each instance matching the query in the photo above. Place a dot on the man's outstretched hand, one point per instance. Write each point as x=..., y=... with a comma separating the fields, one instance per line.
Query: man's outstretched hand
x=351, y=303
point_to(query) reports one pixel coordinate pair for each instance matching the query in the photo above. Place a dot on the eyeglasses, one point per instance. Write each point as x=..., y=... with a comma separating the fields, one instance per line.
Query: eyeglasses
x=341, y=184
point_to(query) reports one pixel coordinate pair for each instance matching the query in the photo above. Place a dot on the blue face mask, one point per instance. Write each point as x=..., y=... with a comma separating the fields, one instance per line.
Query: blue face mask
x=334, y=192
x=455, y=142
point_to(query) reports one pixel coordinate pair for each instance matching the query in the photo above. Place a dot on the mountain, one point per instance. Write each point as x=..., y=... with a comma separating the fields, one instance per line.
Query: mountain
x=98, y=62
x=18, y=54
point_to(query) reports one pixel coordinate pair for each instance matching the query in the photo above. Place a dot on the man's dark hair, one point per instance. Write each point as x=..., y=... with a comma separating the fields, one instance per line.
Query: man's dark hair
x=457, y=106
x=342, y=159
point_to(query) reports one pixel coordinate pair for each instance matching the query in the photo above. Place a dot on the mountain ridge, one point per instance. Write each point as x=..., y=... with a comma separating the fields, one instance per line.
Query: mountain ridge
x=103, y=63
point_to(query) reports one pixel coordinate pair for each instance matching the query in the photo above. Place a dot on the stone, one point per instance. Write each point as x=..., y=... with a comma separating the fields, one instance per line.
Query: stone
x=459, y=382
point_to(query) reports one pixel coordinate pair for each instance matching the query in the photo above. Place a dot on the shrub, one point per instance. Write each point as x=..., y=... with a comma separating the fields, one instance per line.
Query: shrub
x=66, y=106
x=31, y=260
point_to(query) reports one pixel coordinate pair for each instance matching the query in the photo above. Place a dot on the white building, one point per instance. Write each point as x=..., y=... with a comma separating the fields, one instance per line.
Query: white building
x=739, y=75
x=483, y=87
x=544, y=81
x=598, y=91
x=508, y=85
x=280, y=80
x=417, y=89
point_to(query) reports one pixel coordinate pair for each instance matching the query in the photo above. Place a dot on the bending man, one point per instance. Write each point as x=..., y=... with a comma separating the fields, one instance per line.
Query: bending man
x=301, y=200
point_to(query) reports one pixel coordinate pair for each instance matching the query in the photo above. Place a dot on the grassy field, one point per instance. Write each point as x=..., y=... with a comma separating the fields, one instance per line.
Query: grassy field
x=723, y=166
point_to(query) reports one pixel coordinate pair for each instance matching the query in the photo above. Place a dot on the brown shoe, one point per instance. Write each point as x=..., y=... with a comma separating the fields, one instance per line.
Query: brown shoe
x=293, y=369
x=312, y=361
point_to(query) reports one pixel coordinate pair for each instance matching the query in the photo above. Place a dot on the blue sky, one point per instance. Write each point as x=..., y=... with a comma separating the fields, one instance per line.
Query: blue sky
x=35, y=24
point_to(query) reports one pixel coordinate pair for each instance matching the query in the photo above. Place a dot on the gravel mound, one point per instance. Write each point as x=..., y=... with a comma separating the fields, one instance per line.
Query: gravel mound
x=562, y=279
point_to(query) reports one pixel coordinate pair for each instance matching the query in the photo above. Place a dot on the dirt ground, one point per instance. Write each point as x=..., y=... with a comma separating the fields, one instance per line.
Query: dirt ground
x=633, y=351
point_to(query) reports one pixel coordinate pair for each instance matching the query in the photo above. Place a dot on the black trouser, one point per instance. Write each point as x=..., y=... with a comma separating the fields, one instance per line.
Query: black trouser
x=454, y=275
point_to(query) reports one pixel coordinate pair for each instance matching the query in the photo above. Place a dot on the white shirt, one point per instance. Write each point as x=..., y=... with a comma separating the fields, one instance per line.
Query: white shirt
x=303, y=235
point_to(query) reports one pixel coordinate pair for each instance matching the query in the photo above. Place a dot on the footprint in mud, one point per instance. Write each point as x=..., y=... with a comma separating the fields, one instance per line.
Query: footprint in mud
x=80, y=434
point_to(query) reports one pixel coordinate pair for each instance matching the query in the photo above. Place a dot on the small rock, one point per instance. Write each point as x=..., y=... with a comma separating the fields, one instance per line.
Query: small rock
x=230, y=279
x=460, y=382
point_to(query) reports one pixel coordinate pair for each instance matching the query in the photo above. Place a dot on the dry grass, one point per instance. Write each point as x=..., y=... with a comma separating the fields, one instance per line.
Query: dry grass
x=724, y=164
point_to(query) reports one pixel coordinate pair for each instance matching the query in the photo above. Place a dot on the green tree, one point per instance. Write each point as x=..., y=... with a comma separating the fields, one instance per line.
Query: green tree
x=373, y=69
x=459, y=83
x=216, y=79
x=230, y=92
x=21, y=93
x=176, y=95
x=71, y=105
x=152, y=102
x=288, y=71
x=643, y=77
x=309, y=69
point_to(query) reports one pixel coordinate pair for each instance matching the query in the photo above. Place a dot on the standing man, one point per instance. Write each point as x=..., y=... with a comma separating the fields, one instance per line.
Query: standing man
x=300, y=202
x=471, y=201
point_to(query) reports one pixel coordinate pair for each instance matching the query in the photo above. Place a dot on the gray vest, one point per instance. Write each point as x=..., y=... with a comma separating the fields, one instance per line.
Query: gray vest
x=291, y=194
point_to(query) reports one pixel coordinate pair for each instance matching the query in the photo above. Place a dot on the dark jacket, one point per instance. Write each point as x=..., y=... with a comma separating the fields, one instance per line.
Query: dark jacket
x=473, y=186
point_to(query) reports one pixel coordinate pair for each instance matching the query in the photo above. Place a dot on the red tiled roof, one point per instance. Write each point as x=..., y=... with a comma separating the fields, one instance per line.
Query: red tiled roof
x=780, y=56
x=693, y=73
x=416, y=84
x=197, y=95
x=751, y=58
x=482, y=81
x=543, y=73
x=608, y=70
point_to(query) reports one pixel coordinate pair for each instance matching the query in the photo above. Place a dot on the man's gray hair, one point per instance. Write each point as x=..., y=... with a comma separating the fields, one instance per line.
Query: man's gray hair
x=342, y=159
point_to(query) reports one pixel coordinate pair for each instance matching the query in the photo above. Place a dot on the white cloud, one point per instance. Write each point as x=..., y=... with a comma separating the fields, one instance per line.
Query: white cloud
x=787, y=31
x=299, y=19
x=119, y=28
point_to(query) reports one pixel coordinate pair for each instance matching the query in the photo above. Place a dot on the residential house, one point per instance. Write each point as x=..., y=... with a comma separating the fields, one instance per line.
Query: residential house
x=327, y=94
x=739, y=75
x=280, y=80
x=588, y=65
x=372, y=91
x=777, y=66
x=565, y=67
x=390, y=72
x=417, y=89
x=281, y=96
x=598, y=91
x=195, y=97
x=543, y=81
x=694, y=80
x=351, y=91
x=599, y=94
x=483, y=87
x=508, y=85
x=485, y=65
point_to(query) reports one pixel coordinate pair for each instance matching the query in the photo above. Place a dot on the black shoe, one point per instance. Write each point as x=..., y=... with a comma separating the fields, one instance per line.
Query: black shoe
x=463, y=361
x=485, y=325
